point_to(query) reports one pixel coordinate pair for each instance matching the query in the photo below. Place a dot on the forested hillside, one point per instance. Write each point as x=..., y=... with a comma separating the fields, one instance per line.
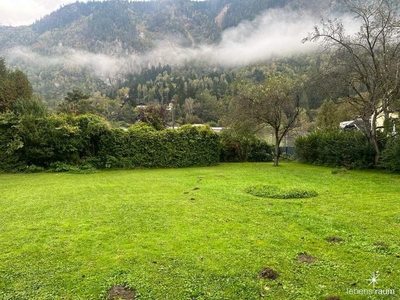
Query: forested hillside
x=93, y=46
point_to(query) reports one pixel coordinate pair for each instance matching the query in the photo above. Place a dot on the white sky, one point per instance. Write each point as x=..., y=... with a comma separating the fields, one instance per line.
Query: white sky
x=25, y=12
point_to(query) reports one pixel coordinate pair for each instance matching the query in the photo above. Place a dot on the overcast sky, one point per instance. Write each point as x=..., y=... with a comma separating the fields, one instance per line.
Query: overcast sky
x=25, y=12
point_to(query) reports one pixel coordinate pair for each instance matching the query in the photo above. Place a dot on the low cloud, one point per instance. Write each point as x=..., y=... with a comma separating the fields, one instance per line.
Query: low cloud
x=277, y=33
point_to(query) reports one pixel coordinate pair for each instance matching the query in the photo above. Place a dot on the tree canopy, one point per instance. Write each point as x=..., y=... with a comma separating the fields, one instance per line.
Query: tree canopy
x=366, y=63
x=14, y=85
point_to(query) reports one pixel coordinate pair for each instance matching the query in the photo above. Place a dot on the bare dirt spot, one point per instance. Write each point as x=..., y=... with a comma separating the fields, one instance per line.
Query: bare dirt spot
x=268, y=273
x=306, y=258
x=192, y=199
x=196, y=188
x=121, y=292
x=381, y=244
x=332, y=298
x=335, y=239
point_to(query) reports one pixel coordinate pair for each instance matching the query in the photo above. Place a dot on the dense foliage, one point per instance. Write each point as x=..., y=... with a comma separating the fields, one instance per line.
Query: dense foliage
x=240, y=148
x=13, y=86
x=391, y=155
x=335, y=148
x=42, y=141
x=143, y=146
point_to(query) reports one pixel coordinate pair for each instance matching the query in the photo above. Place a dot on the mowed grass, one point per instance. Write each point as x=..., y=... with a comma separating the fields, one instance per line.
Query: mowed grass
x=196, y=234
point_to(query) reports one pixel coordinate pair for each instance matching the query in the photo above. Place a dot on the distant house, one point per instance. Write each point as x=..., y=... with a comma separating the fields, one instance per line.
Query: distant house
x=215, y=129
x=358, y=123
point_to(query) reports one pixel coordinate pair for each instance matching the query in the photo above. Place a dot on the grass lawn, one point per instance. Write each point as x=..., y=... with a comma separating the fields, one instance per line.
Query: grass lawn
x=196, y=234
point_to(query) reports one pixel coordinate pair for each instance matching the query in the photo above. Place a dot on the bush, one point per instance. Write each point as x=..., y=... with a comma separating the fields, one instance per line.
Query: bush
x=336, y=149
x=29, y=169
x=63, y=142
x=10, y=143
x=238, y=148
x=391, y=155
x=62, y=167
x=143, y=146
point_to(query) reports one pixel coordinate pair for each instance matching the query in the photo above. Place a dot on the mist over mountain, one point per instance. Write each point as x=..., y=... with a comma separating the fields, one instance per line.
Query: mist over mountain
x=90, y=45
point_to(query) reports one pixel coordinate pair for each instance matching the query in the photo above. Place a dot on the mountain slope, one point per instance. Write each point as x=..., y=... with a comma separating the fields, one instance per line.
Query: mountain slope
x=63, y=50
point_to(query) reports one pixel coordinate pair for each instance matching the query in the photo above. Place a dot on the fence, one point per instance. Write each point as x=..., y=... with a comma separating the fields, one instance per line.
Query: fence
x=289, y=151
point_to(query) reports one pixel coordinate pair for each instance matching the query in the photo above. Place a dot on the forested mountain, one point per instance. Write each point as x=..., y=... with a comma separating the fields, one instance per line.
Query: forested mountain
x=95, y=26
x=94, y=46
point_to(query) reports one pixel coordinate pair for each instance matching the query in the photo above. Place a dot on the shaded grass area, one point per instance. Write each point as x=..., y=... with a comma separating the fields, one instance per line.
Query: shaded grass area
x=196, y=234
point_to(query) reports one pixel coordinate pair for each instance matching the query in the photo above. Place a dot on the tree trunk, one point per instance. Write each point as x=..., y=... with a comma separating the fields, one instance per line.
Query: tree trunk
x=377, y=150
x=277, y=154
x=373, y=138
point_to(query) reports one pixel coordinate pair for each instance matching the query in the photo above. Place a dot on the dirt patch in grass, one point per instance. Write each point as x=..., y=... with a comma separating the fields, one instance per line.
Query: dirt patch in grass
x=306, y=258
x=335, y=239
x=196, y=188
x=121, y=292
x=268, y=273
x=192, y=199
x=332, y=298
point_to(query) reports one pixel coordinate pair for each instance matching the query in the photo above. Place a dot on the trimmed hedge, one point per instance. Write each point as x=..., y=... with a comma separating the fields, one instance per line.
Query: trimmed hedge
x=335, y=148
x=142, y=146
x=31, y=143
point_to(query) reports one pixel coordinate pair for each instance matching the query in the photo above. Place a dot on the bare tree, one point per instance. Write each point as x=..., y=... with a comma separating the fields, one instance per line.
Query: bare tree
x=367, y=63
x=274, y=103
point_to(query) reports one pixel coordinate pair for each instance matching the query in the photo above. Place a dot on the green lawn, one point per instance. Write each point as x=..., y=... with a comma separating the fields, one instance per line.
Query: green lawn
x=196, y=234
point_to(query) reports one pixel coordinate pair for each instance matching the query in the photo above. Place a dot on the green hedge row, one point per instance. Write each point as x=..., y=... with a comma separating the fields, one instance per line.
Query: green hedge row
x=42, y=141
x=335, y=148
x=31, y=141
x=142, y=146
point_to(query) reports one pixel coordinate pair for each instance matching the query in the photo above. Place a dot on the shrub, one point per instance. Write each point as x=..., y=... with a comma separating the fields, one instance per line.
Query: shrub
x=239, y=148
x=10, y=143
x=61, y=142
x=143, y=146
x=29, y=169
x=391, y=155
x=62, y=167
x=335, y=148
